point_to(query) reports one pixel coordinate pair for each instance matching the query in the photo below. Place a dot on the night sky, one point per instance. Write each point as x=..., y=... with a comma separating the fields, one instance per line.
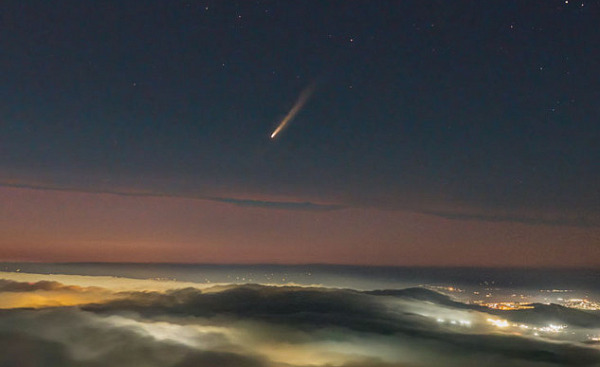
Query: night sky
x=431, y=133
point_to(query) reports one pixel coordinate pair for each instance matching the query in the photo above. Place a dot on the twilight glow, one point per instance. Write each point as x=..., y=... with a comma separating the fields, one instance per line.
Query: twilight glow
x=299, y=183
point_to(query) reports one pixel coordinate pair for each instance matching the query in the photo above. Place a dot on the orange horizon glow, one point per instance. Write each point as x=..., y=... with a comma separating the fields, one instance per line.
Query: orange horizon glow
x=61, y=226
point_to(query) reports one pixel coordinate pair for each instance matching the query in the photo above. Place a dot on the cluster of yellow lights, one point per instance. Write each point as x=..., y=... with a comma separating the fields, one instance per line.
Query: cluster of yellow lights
x=582, y=304
x=508, y=306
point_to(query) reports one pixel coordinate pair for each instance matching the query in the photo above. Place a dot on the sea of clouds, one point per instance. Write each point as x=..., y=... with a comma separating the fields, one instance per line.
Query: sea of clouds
x=47, y=323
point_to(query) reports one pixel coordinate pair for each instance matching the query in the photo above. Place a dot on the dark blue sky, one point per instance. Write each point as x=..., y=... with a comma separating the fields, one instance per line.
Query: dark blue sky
x=465, y=109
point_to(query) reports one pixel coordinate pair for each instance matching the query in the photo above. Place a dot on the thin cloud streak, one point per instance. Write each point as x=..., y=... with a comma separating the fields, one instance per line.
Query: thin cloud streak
x=287, y=205
x=267, y=204
x=580, y=221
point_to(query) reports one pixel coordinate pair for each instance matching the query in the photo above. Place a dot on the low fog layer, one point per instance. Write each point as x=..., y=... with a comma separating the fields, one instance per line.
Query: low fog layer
x=54, y=324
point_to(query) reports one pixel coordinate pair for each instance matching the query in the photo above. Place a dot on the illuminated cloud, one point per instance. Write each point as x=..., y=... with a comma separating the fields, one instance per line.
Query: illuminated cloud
x=42, y=294
x=262, y=326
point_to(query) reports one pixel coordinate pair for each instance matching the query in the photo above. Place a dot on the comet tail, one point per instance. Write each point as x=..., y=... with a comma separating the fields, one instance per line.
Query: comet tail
x=304, y=96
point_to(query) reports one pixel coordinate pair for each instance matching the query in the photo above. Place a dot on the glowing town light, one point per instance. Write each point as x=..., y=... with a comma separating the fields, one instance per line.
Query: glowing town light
x=551, y=328
x=498, y=323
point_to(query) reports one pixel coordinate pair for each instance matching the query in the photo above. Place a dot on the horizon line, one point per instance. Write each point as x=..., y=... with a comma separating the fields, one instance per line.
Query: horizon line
x=589, y=267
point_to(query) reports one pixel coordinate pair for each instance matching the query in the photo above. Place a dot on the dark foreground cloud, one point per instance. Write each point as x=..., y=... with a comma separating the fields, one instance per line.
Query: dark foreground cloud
x=43, y=285
x=256, y=326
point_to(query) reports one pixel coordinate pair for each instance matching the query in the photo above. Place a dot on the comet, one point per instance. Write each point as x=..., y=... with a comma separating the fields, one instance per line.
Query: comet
x=304, y=97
